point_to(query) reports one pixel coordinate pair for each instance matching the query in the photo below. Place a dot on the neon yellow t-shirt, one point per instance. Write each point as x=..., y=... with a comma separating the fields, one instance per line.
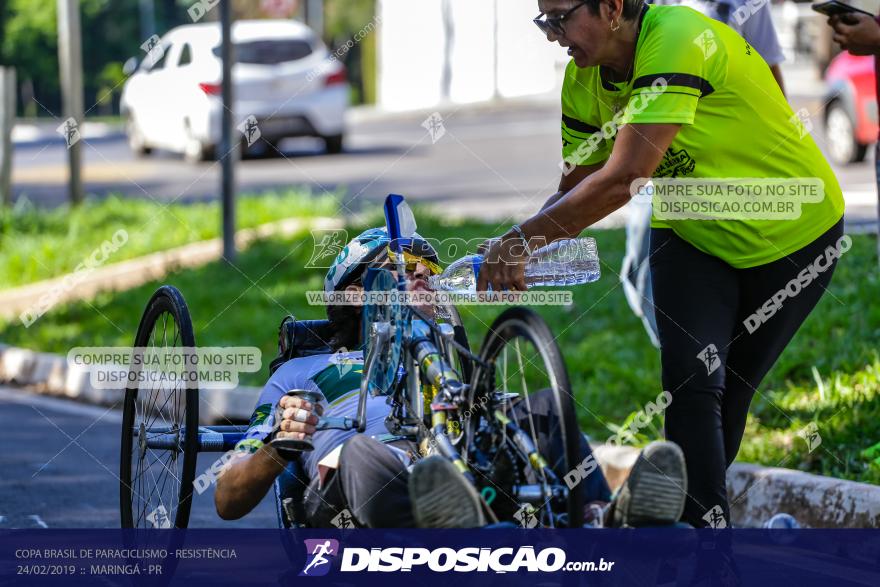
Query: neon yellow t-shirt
x=736, y=123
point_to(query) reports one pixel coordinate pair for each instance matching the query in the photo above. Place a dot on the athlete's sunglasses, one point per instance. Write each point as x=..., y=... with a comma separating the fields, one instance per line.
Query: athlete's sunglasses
x=555, y=24
x=412, y=261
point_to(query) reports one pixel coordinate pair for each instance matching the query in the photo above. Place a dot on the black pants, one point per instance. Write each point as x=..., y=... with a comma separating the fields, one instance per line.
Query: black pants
x=371, y=481
x=370, y=484
x=716, y=347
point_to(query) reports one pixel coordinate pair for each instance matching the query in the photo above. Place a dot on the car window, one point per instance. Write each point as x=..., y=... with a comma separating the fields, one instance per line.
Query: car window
x=185, y=56
x=270, y=52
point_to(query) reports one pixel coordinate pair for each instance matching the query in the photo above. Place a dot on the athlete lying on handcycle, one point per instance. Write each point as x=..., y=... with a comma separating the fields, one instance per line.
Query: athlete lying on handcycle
x=380, y=480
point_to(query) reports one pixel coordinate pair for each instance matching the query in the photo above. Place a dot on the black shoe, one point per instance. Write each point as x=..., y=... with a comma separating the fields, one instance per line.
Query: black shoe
x=655, y=490
x=442, y=498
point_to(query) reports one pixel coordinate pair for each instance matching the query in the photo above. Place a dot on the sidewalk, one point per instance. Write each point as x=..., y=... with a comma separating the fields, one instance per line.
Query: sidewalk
x=39, y=132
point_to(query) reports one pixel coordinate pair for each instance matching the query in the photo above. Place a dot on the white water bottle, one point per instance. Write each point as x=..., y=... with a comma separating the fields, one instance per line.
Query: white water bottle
x=561, y=263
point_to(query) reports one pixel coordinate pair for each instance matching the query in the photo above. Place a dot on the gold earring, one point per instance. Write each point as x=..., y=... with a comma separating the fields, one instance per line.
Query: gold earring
x=614, y=29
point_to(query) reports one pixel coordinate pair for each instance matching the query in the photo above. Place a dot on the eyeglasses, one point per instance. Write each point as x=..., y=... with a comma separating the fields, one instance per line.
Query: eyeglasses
x=412, y=261
x=555, y=24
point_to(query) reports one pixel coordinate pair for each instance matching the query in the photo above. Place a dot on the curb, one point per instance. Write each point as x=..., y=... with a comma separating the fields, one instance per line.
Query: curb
x=34, y=133
x=134, y=272
x=49, y=374
x=756, y=493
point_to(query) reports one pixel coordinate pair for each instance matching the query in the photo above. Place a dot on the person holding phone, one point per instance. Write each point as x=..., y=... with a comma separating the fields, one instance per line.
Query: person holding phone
x=859, y=33
x=856, y=32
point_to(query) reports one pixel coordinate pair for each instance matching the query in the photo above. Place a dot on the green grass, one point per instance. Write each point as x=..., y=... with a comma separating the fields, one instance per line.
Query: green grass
x=39, y=244
x=614, y=369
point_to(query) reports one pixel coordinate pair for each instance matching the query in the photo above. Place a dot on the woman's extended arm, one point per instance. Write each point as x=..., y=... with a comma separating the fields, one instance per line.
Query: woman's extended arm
x=638, y=150
x=637, y=153
x=570, y=180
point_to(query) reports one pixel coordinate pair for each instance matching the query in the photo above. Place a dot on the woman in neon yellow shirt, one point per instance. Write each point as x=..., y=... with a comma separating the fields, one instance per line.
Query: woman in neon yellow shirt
x=665, y=92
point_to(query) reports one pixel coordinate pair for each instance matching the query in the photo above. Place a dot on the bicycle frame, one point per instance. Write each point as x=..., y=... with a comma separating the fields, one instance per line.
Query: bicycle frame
x=430, y=402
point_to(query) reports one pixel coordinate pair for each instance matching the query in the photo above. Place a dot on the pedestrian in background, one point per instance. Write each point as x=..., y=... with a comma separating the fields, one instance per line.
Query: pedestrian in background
x=860, y=35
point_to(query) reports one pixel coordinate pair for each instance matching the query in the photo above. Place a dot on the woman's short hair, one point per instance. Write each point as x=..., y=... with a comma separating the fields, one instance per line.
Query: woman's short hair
x=631, y=8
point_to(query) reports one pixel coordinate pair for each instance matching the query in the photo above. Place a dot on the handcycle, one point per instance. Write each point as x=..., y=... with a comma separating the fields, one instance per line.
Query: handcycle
x=474, y=409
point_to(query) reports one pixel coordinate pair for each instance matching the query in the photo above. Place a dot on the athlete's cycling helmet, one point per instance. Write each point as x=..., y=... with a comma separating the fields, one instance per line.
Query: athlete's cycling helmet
x=367, y=247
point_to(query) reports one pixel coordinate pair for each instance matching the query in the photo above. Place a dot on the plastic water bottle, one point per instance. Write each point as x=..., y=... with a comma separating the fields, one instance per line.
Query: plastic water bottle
x=561, y=263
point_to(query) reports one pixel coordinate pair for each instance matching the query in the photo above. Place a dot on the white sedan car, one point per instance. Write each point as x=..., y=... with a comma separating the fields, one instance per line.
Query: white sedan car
x=284, y=80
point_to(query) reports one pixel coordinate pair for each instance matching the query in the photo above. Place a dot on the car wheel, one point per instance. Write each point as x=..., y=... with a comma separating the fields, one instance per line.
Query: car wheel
x=273, y=148
x=136, y=141
x=333, y=144
x=843, y=148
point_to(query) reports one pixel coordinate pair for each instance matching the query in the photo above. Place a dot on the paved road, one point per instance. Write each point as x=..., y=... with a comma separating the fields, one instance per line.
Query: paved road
x=491, y=162
x=508, y=156
x=60, y=463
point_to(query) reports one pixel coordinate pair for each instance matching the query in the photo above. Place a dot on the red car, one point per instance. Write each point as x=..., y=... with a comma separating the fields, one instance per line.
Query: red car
x=851, y=107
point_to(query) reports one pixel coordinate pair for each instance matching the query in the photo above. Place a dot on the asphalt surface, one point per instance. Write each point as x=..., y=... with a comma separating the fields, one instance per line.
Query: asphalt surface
x=506, y=157
x=60, y=468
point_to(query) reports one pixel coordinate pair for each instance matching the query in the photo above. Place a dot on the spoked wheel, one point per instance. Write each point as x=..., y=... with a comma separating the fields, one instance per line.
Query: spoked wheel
x=160, y=419
x=523, y=438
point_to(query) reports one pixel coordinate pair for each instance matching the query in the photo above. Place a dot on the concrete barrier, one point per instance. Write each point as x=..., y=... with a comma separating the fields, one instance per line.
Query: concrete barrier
x=50, y=374
x=756, y=493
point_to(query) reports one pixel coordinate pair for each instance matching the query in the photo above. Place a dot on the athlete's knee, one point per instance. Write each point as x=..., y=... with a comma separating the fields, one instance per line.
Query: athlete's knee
x=358, y=448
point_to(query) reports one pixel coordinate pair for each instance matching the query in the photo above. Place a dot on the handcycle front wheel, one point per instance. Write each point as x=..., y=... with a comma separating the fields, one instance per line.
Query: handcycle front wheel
x=521, y=384
x=160, y=420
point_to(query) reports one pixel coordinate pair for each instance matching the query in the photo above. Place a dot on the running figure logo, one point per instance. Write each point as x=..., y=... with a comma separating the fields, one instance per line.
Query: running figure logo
x=69, y=129
x=434, y=125
x=343, y=520
x=250, y=130
x=319, y=551
x=707, y=43
x=802, y=122
x=810, y=434
x=327, y=246
x=154, y=50
x=715, y=518
x=159, y=517
x=526, y=517
x=710, y=358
